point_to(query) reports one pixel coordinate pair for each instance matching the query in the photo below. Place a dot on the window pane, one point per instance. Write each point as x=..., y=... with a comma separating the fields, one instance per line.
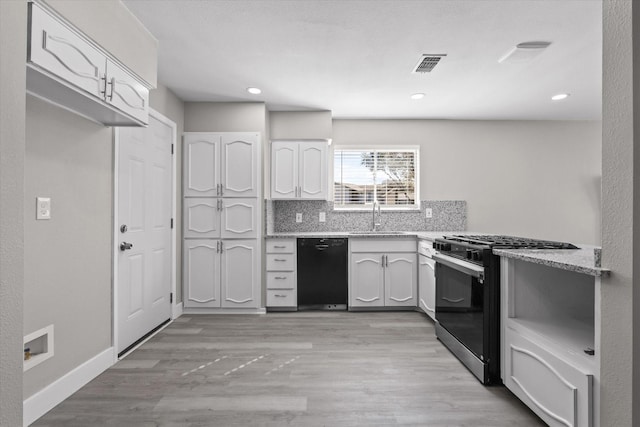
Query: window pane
x=384, y=175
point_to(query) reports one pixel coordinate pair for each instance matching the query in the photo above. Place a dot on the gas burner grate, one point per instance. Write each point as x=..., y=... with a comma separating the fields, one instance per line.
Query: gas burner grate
x=510, y=242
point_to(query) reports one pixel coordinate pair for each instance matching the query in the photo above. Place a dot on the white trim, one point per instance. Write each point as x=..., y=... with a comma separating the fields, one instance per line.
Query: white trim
x=177, y=310
x=46, y=399
x=225, y=311
x=116, y=153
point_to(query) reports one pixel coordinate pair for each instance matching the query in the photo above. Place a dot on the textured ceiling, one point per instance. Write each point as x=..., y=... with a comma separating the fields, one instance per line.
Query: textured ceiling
x=356, y=57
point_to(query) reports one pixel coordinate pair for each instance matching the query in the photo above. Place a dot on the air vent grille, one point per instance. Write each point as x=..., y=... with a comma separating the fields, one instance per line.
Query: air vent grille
x=427, y=63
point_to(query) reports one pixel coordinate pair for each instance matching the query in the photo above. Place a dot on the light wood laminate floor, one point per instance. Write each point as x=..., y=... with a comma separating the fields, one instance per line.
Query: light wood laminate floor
x=291, y=369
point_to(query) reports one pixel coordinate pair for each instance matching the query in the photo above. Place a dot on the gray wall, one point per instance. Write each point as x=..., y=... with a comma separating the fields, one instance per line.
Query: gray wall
x=13, y=34
x=537, y=179
x=620, y=303
x=67, y=258
x=169, y=105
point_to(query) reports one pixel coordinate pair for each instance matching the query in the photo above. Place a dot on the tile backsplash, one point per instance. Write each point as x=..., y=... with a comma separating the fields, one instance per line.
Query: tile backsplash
x=448, y=215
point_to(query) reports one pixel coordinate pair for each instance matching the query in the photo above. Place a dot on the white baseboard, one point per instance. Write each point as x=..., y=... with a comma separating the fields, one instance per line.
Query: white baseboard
x=46, y=399
x=176, y=310
x=224, y=310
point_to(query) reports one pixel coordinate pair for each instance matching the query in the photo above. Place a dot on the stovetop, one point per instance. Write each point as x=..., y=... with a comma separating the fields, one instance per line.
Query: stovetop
x=508, y=242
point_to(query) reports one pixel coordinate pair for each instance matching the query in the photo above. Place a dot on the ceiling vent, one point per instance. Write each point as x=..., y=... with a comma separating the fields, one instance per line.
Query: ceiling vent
x=524, y=52
x=427, y=63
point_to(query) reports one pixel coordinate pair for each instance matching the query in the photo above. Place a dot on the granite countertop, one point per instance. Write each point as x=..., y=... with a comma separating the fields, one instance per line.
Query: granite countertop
x=425, y=235
x=581, y=260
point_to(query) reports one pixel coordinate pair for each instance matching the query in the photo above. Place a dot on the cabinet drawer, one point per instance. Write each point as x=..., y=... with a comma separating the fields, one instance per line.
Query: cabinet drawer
x=425, y=248
x=281, y=298
x=281, y=280
x=281, y=246
x=281, y=262
x=561, y=394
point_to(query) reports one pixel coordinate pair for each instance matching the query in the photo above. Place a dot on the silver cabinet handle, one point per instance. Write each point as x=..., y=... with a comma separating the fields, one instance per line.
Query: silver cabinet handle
x=113, y=85
x=279, y=259
x=280, y=278
x=218, y=246
x=221, y=246
x=279, y=247
x=279, y=296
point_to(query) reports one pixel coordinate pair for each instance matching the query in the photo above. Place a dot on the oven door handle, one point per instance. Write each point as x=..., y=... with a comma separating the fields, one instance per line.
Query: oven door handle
x=464, y=267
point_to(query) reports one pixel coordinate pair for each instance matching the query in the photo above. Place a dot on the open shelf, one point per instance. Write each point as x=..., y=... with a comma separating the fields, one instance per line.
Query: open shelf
x=567, y=338
x=40, y=344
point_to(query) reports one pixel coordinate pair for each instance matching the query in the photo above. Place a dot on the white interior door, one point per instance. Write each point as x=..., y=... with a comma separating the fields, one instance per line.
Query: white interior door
x=144, y=222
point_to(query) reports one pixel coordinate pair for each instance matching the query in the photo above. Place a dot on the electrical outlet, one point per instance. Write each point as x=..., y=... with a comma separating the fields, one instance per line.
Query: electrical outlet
x=322, y=217
x=298, y=217
x=43, y=208
x=428, y=213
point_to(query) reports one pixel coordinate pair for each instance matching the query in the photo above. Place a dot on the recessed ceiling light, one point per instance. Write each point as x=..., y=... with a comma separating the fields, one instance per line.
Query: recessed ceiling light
x=417, y=96
x=254, y=90
x=560, y=97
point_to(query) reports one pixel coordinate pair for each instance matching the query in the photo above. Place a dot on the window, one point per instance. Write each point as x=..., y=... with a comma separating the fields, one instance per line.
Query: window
x=386, y=176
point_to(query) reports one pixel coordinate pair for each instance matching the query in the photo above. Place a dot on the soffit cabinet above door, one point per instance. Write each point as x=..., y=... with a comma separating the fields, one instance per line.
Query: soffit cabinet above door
x=68, y=69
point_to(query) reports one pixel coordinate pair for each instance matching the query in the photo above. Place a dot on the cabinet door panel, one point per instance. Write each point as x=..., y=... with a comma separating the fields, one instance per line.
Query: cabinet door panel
x=559, y=393
x=201, y=164
x=427, y=286
x=126, y=93
x=400, y=280
x=284, y=170
x=201, y=273
x=240, y=281
x=239, y=218
x=313, y=170
x=239, y=168
x=59, y=50
x=367, y=280
x=201, y=218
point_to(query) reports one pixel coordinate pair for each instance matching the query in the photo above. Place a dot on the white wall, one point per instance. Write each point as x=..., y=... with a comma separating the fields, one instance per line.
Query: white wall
x=67, y=258
x=537, y=179
x=619, y=302
x=13, y=36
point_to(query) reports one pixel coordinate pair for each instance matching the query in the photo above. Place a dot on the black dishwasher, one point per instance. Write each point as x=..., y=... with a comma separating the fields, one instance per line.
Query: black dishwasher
x=322, y=274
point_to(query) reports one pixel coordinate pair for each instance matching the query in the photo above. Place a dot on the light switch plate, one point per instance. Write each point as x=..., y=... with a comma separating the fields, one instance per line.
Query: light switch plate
x=298, y=217
x=428, y=213
x=322, y=217
x=43, y=208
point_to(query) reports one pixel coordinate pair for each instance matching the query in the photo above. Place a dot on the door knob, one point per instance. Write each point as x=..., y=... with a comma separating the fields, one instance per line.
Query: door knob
x=125, y=246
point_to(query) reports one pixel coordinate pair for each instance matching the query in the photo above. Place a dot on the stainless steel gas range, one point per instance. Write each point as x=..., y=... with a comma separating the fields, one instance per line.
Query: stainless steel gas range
x=468, y=297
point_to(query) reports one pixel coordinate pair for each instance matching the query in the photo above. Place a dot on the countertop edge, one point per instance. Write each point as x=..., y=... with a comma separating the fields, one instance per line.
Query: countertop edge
x=561, y=262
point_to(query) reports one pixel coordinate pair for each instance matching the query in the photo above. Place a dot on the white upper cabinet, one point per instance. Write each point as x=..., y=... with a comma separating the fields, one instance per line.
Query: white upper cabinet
x=220, y=165
x=63, y=52
x=201, y=165
x=239, y=169
x=66, y=68
x=125, y=93
x=299, y=170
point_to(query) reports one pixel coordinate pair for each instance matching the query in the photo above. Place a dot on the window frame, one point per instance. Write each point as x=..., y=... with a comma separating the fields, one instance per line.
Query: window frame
x=367, y=206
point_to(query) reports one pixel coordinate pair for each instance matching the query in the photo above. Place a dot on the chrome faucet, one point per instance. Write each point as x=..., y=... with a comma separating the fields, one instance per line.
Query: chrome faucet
x=374, y=223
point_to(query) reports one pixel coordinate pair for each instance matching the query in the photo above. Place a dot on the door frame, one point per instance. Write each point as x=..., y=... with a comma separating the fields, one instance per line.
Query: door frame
x=175, y=307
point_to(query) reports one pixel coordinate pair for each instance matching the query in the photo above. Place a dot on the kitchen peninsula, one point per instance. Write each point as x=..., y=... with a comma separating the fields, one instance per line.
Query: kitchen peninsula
x=550, y=331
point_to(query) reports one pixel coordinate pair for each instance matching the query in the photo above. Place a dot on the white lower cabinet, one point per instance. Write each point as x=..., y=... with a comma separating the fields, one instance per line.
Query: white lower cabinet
x=559, y=393
x=550, y=345
x=221, y=273
x=281, y=274
x=387, y=278
x=427, y=285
